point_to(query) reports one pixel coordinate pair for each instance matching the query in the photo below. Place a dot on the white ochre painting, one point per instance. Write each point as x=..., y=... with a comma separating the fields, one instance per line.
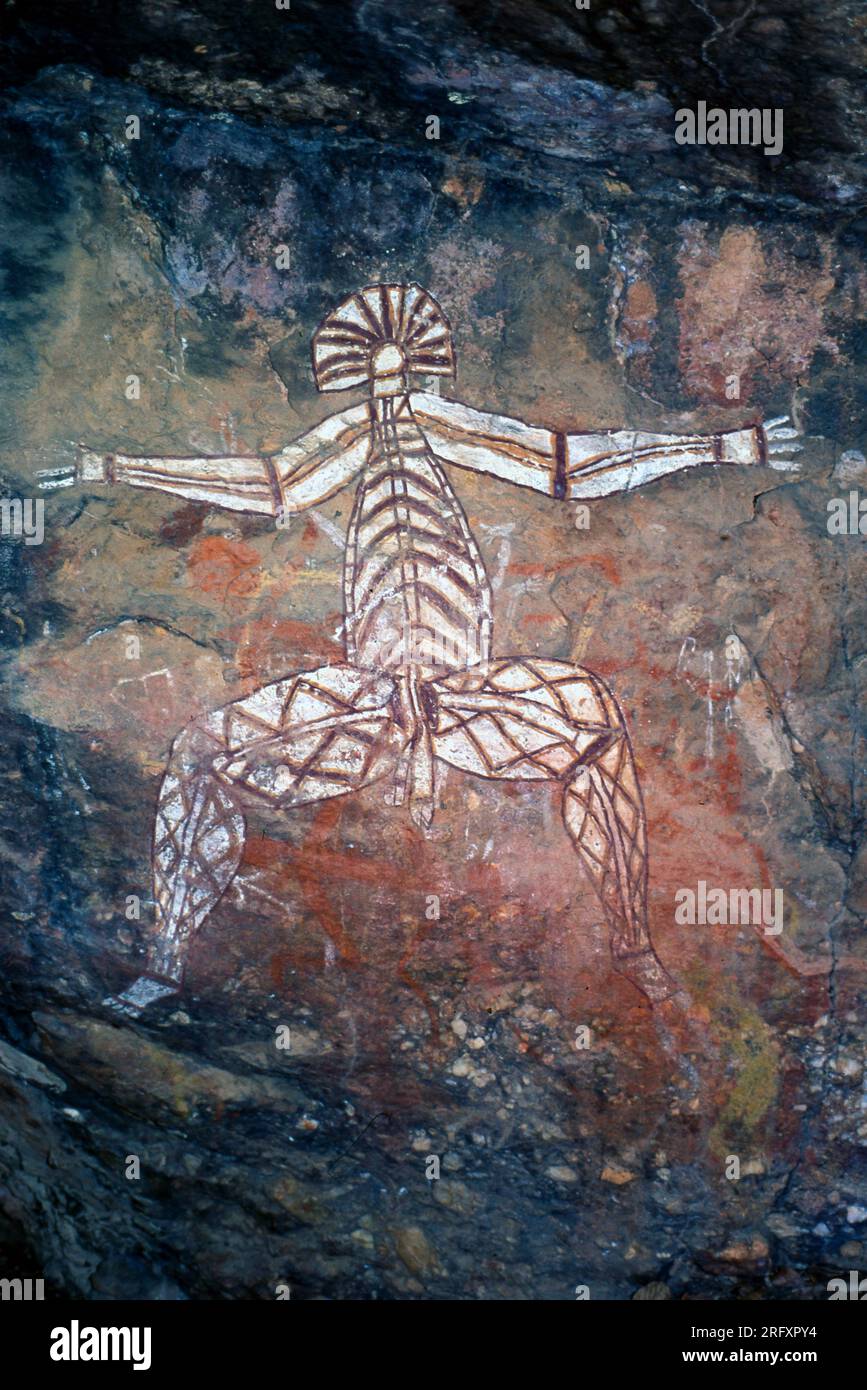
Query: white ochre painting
x=422, y=684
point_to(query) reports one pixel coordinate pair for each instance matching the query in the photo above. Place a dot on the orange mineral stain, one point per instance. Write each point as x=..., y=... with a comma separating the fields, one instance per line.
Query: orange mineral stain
x=224, y=567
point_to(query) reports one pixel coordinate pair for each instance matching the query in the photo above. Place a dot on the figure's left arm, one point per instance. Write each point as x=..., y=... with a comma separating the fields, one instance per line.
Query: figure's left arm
x=583, y=466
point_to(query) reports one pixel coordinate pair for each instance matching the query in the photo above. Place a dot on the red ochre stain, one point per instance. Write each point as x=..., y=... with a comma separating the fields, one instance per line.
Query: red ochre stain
x=600, y=561
x=728, y=769
x=305, y=868
x=225, y=567
x=335, y=864
x=318, y=865
x=269, y=649
x=714, y=691
x=418, y=989
x=183, y=524
x=278, y=967
x=551, y=619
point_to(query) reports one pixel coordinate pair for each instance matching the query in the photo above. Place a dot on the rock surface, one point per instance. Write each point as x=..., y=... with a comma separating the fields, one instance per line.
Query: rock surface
x=605, y=1165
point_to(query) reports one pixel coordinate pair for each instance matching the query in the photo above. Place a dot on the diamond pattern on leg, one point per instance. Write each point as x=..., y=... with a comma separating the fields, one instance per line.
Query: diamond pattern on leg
x=534, y=719
x=313, y=735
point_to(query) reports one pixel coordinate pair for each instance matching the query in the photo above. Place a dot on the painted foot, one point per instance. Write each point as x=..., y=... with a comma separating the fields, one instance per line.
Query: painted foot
x=135, y=999
x=646, y=972
x=690, y=1047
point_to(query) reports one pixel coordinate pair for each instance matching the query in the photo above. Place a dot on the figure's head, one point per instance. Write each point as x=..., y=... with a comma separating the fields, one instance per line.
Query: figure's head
x=378, y=336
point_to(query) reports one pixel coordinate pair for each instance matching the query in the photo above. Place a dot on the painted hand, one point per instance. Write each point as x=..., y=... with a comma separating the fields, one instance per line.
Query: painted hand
x=781, y=442
x=89, y=467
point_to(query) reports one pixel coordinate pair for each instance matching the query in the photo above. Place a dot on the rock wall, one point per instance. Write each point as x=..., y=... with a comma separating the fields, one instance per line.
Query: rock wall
x=583, y=1139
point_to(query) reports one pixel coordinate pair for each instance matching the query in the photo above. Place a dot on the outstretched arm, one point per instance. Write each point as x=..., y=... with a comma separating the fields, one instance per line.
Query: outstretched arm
x=579, y=466
x=306, y=472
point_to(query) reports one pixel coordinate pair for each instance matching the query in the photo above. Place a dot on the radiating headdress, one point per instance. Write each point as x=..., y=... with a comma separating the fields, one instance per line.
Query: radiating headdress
x=379, y=334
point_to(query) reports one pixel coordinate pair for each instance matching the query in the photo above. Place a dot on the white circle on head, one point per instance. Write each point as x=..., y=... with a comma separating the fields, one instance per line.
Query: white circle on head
x=388, y=359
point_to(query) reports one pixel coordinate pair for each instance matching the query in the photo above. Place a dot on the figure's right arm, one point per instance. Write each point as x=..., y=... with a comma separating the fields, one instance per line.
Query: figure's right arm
x=306, y=472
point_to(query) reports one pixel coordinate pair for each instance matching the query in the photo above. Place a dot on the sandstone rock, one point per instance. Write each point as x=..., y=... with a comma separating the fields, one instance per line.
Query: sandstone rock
x=614, y=1173
x=414, y=1248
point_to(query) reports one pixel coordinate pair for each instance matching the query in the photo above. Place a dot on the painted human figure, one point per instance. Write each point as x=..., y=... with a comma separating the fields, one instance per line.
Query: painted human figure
x=419, y=687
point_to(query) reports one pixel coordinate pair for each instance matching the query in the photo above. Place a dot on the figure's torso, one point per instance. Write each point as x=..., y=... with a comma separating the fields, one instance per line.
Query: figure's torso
x=416, y=591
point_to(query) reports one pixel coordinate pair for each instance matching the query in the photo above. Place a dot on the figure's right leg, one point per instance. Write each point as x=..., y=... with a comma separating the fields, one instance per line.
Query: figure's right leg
x=315, y=735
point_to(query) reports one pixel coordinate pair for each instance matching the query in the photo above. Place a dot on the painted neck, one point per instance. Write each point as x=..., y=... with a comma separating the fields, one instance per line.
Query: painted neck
x=383, y=388
x=386, y=407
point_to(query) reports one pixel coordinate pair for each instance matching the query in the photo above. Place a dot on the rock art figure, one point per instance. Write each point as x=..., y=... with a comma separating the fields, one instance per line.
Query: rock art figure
x=420, y=686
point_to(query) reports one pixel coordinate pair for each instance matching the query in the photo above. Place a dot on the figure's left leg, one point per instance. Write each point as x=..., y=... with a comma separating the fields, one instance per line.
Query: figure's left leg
x=533, y=719
x=604, y=814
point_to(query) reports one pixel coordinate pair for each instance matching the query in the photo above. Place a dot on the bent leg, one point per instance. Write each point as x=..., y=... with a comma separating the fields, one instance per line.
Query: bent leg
x=198, y=843
x=315, y=735
x=604, y=815
x=533, y=719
